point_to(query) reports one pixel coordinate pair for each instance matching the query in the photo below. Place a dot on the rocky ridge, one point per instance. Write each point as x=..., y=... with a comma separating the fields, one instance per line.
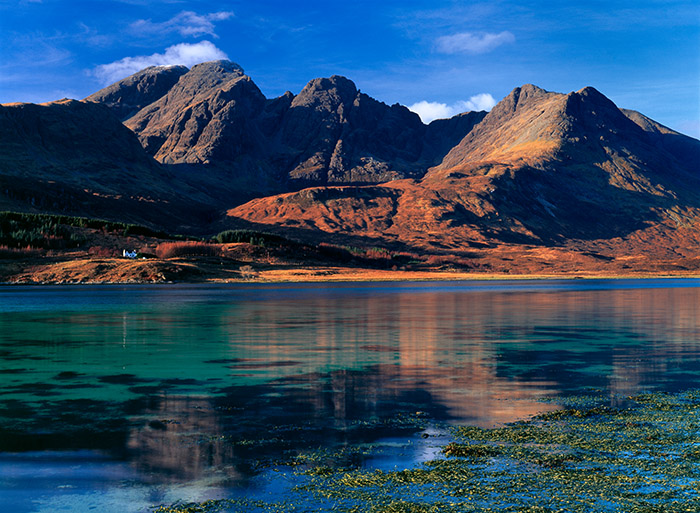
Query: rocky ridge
x=216, y=117
x=131, y=94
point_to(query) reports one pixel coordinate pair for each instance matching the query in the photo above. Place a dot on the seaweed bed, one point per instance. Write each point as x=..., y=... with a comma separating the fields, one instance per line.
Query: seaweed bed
x=643, y=457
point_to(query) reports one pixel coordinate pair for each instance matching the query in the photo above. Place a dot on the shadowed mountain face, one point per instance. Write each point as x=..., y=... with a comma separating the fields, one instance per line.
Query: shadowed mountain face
x=540, y=168
x=77, y=158
x=332, y=133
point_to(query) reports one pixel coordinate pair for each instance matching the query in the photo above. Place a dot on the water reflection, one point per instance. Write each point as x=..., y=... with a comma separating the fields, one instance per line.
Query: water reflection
x=205, y=383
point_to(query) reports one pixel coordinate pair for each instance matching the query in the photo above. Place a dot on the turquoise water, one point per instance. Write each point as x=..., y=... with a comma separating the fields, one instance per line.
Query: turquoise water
x=120, y=398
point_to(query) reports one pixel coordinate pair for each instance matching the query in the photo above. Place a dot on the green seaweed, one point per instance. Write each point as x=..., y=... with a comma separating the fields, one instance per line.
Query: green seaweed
x=644, y=458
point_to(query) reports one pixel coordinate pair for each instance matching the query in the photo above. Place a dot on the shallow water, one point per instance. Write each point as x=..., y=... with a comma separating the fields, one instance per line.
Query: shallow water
x=120, y=398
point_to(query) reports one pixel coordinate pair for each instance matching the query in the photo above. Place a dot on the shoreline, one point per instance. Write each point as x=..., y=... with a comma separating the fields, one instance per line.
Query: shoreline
x=329, y=274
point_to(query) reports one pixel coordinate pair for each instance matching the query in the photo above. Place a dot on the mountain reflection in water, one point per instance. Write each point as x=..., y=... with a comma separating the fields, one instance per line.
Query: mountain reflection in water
x=205, y=383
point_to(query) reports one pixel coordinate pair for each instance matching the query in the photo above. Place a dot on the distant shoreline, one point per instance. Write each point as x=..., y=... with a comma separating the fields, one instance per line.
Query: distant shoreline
x=180, y=271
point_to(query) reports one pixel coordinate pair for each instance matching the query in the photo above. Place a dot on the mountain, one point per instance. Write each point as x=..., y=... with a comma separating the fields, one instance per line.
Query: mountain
x=203, y=149
x=571, y=166
x=216, y=118
x=192, y=121
x=214, y=123
x=541, y=168
x=333, y=133
x=209, y=140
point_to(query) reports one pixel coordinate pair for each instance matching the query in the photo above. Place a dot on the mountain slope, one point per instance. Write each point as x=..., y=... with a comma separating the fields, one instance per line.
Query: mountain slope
x=572, y=166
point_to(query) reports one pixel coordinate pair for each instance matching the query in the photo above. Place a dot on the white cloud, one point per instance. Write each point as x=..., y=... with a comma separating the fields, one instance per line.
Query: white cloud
x=428, y=111
x=482, y=101
x=183, y=53
x=473, y=42
x=186, y=23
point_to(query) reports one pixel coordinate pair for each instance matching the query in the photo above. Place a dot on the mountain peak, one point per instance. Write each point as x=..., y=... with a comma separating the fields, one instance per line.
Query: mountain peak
x=593, y=111
x=204, y=78
x=522, y=95
x=327, y=92
x=590, y=91
x=191, y=123
x=218, y=67
x=131, y=94
x=593, y=96
x=531, y=90
x=519, y=98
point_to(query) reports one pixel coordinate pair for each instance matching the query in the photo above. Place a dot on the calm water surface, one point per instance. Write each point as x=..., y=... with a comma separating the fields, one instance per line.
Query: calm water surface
x=120, y=398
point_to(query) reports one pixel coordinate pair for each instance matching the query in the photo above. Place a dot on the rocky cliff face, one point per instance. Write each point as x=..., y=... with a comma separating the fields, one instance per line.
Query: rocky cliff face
x=328, y=133
x=335, y=134
x=197, y=117
x=128, y=96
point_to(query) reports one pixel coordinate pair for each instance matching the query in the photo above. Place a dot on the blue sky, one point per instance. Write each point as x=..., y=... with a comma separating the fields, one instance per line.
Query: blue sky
x=440, y=57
